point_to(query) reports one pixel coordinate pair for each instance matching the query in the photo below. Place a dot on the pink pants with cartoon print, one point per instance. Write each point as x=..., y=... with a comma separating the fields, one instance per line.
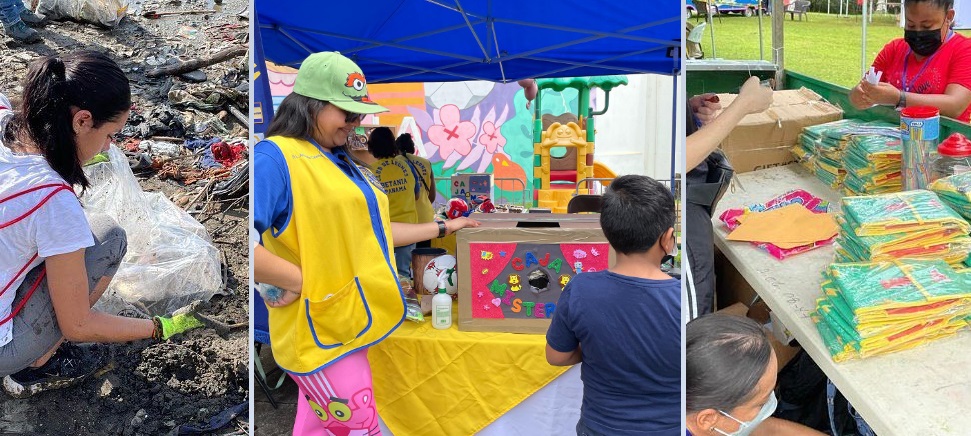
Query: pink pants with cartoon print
x=337, y=401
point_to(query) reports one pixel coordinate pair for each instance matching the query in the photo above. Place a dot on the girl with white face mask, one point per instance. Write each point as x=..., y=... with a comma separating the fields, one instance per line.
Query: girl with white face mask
x=730, y=380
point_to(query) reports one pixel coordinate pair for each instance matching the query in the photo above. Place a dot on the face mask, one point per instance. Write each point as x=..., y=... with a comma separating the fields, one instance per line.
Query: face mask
x=924, y=42
x=746, y=428
x=674, y=246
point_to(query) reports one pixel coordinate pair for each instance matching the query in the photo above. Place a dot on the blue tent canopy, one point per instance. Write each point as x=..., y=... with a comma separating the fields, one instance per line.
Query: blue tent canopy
x=492, y=40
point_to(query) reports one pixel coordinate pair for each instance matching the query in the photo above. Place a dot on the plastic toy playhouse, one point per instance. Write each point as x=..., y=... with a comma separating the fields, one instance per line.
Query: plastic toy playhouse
x=556, y=174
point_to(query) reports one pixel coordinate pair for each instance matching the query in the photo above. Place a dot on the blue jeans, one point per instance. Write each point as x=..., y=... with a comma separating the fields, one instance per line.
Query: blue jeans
x=10, y=11
x=402, y=257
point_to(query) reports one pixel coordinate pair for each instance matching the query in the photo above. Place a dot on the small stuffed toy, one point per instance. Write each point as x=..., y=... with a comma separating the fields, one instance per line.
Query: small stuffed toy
x=487, y=206
x=457, y=207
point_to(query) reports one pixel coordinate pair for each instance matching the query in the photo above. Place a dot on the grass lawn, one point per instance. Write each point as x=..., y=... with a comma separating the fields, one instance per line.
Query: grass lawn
x=826, y=46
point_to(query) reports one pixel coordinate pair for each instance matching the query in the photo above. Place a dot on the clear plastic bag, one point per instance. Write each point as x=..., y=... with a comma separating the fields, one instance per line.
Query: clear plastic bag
x=170, y=261
x=106, y=13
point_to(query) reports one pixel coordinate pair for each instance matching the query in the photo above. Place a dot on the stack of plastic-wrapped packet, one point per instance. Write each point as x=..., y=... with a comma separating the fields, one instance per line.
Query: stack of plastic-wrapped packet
x=901, y=225
x=821, y=149
x=872, y=160
x=874, y=308
x=956, y=192
x=855, y=156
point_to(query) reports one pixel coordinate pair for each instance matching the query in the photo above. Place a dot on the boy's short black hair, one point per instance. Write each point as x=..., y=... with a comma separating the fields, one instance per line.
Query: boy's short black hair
x=636, y=211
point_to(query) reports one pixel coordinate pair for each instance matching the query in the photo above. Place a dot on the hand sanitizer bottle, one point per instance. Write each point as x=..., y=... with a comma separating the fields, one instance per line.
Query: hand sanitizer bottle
x=441, y=307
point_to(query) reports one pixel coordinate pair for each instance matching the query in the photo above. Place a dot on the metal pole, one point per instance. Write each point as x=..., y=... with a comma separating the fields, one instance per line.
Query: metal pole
x=711, y=28
x=778, y=21
x=866, y=12
x=674, y=126
x=761, y=42
x=827, y=6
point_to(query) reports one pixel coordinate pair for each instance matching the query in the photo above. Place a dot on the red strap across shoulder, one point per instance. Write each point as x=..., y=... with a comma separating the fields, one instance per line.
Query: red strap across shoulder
x=57, y=187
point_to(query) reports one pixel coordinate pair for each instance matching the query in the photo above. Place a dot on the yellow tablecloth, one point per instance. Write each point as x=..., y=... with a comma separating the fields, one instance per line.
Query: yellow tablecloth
x=447, y=382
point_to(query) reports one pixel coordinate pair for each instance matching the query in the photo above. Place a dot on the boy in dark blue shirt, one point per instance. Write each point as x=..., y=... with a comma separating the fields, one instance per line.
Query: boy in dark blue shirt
x=624, y=324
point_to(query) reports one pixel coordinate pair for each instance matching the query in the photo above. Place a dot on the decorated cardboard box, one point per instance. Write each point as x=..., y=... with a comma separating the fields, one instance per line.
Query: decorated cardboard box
x=513, y=268
x=470, y=186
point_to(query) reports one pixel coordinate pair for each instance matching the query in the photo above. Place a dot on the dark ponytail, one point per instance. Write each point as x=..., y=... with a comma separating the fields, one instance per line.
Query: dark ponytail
x=85, y=80
x=405, y=144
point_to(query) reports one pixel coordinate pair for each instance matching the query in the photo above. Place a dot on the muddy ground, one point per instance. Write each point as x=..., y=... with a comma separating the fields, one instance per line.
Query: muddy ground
x=153, y=388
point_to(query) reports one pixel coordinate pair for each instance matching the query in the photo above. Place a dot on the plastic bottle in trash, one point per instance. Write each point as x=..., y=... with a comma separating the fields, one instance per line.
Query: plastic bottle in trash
x=441, y=307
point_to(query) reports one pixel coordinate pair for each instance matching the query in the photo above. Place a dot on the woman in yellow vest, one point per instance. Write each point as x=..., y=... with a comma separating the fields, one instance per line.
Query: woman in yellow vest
x=401, y=186
x=426, y=180
x=325, y=259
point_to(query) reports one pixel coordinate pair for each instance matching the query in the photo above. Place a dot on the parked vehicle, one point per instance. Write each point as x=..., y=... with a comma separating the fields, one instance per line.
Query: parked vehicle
x=745, y=7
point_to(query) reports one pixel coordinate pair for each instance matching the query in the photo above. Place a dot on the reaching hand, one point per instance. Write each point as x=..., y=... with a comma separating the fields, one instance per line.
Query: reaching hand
x=705, y=107
x=454, y=225
x=179, y=322
x=753, y=96
x=882, y=93
x=277, y=297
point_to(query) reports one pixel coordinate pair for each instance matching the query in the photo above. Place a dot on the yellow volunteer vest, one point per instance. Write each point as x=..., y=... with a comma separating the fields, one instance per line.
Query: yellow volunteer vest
x=426, y=213
x=339, y=236
x=399, y=185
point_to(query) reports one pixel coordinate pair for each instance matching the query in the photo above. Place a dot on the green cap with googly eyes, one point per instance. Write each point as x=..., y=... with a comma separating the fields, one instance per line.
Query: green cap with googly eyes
x=332, y=77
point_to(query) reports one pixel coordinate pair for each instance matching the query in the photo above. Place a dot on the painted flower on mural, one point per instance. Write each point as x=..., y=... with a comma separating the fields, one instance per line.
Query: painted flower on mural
x=491, y=137
x=453, y=134
x=475, y=152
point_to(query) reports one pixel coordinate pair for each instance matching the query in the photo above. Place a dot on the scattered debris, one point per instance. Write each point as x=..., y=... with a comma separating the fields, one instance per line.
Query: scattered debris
x=195, y=64
x=155, y=15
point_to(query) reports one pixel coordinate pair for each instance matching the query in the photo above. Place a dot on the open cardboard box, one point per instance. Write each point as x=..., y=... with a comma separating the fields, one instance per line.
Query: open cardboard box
x=763, y=140
x=508, y=245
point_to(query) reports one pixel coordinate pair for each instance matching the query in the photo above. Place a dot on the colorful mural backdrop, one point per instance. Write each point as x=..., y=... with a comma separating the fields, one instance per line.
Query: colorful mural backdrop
x=460, y=127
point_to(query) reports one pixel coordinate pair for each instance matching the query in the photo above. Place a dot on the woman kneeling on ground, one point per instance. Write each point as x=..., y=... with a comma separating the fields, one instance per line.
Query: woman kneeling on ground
x=56, y=262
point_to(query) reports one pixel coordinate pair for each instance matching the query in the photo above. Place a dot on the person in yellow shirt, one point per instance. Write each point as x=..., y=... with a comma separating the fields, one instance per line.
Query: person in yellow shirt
x=324, y=262
x=426, y=180
x=400, y=184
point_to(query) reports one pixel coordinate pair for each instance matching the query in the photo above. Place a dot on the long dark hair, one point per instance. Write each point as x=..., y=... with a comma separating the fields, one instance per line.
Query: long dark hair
x=405, y=144
x=725, y=357
x=85, y=80
x=297, y=118
x=381, y=143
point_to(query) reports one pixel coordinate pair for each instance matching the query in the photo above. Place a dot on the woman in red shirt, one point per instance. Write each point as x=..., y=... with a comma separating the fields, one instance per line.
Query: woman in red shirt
x=929, y=66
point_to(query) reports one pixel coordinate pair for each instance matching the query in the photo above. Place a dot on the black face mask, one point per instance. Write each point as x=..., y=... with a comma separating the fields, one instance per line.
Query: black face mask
x=923, y=42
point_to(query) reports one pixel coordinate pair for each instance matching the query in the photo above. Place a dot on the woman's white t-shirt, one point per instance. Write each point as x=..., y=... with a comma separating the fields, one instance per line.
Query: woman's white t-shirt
x=57, y=227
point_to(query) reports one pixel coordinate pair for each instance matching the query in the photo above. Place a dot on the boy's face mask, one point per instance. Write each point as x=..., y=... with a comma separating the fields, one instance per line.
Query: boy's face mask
x=746, y=428
x=674, y=245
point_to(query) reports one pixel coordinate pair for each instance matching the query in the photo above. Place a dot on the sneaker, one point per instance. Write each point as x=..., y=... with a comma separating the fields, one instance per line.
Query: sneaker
x=31, y=19
x=70, y=365
x=20, y=32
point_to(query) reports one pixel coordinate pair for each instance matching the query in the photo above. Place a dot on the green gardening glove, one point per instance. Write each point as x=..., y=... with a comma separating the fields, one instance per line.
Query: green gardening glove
x=179, y=322
x=176, y=325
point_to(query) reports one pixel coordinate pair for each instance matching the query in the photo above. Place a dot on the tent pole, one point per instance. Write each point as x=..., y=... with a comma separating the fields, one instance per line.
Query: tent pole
x=761, y=41
x=711, y=27
x=778, y=21
x=674, y=127
x=866, y=12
